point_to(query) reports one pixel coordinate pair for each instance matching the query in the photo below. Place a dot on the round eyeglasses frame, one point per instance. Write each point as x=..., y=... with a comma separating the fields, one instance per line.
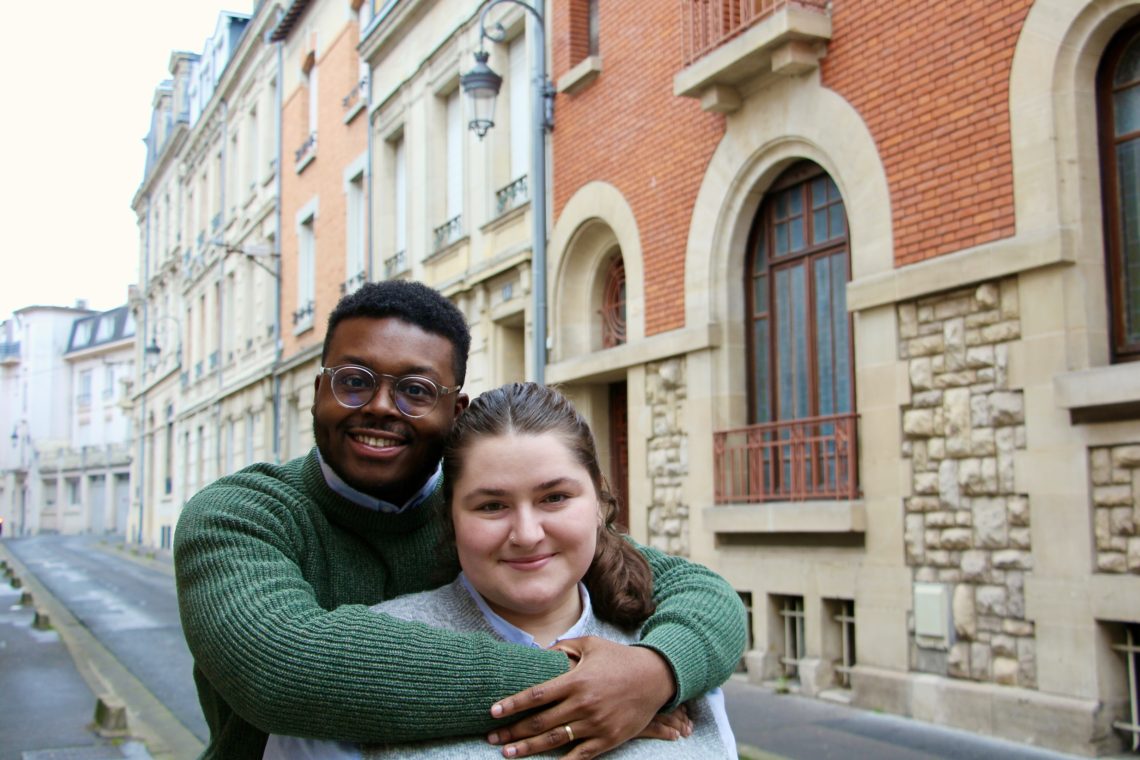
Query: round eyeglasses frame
x=397, y=390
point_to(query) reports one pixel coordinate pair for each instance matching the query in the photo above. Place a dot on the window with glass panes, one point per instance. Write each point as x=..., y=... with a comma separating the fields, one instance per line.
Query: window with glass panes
x=800, y=352
x=1118, y=86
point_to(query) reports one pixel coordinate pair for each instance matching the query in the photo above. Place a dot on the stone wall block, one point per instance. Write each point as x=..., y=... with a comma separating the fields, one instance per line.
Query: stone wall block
x=1019, y=538
x=1006, y=408
x=1027, y=659
x=979, y=411
x=1001, y=332
x=988, y=295
x=957, y=379
x=954, y=341
x=913, y=538
x=1004, y=440
x=1013, y=558
x=1118, y=544
x=922, y=504
x=1006, y=670
x=990, y=600
x=1126, y=457
x=1001, y=365
x=948, y=308
x=936, y=447
x=980, y=661
x=1100, y=467
x=918, y=423
x=1112, y=562
x=921, y=462
x=948, y=491
x=953, y=538
x=940, y=520
x=958, y=660
x=921, y=376
x=1121, y=475
x=926, y=483
x=975, y=565
x=929, y=328
x=1133, y=557
x=981, y=319
x=964, y=612
x=908, y=320
x=1112, y=496
x=978, y=357
x=950, y=575
x=982, y=442
x=1121, y=521
x=925, y=345
x=1005, y=473
x=1017, y=628
x=932, y=537
x=1018, y=510
x=940, y=558
x=926, y=399
x=991, y=528
x=964, y=518
x=1004, y=645
x=1009, y=300
x=925, y=311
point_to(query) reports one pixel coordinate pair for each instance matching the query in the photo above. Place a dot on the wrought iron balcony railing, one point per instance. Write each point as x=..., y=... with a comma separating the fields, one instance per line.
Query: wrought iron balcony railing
x=512, y=195
x=352, y=283
x=303, y=313
x=797, y=460
x=708, y=24
x=394, y=265
x=447, y=233
x=307, y=148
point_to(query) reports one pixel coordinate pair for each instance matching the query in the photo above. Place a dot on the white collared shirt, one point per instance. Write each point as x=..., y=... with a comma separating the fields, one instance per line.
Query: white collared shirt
x=337, y=484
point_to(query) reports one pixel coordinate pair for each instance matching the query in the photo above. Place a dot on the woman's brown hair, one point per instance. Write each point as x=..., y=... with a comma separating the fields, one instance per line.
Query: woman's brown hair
x=619, y=579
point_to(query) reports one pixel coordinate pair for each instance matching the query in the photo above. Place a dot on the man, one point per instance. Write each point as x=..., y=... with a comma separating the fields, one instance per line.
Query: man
x=276, y=567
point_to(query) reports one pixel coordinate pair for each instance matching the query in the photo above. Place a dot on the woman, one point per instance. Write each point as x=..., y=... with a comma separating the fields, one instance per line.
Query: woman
x=532, y=524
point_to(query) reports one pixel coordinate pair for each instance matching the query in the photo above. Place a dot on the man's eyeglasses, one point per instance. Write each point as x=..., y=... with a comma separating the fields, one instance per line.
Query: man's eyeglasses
x=414, y=396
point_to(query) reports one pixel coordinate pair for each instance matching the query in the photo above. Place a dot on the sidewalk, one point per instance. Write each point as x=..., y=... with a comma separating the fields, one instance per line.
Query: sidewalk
x=40, y=676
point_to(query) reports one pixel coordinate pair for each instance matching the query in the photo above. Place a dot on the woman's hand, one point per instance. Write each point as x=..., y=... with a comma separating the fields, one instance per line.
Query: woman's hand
x=612, y=694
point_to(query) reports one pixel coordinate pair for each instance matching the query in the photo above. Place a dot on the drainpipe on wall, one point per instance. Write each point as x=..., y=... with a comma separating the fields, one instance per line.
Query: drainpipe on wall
x=278, y=346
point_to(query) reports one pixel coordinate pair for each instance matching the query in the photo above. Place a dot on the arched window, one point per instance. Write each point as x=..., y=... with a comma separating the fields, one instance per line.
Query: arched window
x=801, y=391
x=613, y=303
x=1118, y=93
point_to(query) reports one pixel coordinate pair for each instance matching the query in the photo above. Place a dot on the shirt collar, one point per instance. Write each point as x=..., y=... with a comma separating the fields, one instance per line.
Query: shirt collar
x=512, y=634
x=371, y=502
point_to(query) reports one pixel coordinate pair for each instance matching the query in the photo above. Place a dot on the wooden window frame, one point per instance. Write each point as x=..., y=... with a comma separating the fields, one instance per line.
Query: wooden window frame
x=1123, y=350
x=800, y=174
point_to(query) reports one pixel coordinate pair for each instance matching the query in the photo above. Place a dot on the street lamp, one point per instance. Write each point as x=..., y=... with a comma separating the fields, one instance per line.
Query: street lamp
x=482, y=85
x=153, y=352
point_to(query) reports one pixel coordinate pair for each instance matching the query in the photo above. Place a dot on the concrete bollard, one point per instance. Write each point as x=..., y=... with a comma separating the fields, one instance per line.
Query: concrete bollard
x=42, y=620
x=26, y=599
x=110, y=716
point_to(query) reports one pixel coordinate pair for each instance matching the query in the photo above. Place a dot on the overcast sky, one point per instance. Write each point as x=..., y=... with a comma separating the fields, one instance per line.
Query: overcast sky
x=78, y=78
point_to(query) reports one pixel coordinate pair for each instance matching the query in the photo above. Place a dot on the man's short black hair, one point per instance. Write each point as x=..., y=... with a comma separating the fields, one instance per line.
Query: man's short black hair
x=413, y=302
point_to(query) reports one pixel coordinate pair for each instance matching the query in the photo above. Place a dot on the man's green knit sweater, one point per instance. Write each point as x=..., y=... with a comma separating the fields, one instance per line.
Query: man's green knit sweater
x=275, y=575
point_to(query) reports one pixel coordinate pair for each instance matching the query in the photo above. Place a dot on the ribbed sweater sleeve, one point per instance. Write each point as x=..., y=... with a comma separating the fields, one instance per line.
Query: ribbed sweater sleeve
x=699, y=626
x=274, y=572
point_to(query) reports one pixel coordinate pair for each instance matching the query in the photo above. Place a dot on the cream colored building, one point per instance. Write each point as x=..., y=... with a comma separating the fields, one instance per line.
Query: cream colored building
x=207, y=304
x=450, y=210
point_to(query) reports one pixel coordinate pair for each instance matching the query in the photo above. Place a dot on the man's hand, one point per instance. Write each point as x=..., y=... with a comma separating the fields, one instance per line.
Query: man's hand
x=611, y=695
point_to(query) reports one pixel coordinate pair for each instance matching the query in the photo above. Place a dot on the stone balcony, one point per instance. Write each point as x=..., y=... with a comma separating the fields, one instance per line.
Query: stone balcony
x=732, y=47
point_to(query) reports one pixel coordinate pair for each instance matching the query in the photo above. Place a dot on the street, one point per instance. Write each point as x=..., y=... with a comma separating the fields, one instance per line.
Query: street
x=117, y=612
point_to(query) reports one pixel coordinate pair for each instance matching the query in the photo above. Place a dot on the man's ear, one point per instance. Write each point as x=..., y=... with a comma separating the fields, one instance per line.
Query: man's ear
x=462, y=400
x=316, y=392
